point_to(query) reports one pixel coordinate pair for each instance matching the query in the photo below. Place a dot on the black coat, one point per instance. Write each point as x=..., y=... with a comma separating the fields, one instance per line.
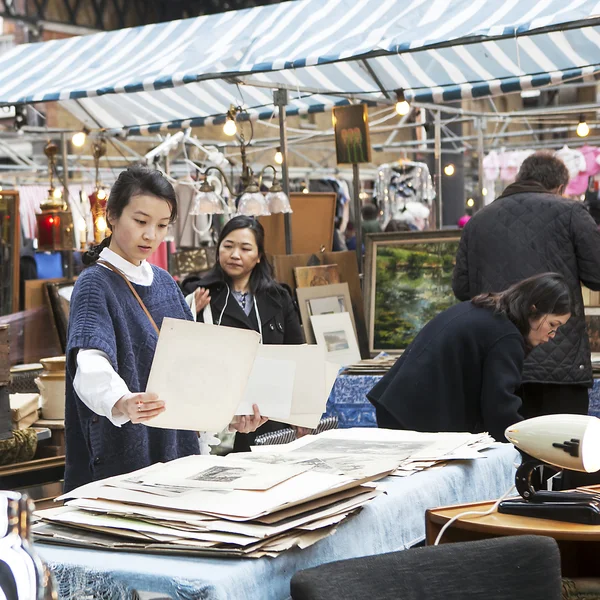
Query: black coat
x=525, y=232
x=279, y=320
x=459, y=374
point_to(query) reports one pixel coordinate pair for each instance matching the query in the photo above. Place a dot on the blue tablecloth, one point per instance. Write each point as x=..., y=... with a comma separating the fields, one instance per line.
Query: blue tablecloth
x=348, y=400
x=393, y=521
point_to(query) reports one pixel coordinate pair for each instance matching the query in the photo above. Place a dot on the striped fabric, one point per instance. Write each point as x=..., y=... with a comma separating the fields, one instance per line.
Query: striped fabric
x=182, y=71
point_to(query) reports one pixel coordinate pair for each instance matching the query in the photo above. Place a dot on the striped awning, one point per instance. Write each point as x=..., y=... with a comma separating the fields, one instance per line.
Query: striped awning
x=436, y=50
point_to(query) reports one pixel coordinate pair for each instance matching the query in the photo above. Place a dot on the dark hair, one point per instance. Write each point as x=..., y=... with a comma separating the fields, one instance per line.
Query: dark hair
x=369, y=212
x=544, y=294
x=261, y=278
x=395, y=225
x=135, y=181
x=546, y=169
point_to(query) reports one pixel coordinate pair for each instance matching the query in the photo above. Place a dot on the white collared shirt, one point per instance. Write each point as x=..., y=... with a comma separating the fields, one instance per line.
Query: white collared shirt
x=96, y=383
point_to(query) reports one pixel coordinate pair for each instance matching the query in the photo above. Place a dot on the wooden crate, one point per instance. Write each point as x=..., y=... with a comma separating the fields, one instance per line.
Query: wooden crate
x=4, y=355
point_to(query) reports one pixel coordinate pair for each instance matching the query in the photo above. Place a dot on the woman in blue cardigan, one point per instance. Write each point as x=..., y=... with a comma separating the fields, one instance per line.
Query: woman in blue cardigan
x=462, y=370
x=111, y=340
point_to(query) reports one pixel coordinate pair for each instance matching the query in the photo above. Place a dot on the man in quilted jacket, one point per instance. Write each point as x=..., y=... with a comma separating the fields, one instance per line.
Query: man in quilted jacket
x=532, y=229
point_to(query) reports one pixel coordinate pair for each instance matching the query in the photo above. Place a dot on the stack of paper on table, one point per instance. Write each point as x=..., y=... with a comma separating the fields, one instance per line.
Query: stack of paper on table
x=207, y=374
x=354, y=451
x=248, y=504
x=208, y=505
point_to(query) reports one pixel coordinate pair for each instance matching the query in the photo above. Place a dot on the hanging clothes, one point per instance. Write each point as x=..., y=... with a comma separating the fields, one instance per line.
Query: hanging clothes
x=579, y=184
x=401, y=183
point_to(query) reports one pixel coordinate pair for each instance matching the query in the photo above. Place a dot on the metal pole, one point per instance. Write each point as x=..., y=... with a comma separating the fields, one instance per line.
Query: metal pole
x=437, y=153
x=280, y=99
x=357, y=214
x=65, y=167
x=480, y=123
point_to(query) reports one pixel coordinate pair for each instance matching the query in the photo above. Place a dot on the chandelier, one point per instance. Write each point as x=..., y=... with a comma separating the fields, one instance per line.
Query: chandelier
x=251, y=202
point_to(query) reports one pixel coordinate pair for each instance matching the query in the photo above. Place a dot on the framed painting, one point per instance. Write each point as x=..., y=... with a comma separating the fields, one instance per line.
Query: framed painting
x=320, y=300
x=408, y=281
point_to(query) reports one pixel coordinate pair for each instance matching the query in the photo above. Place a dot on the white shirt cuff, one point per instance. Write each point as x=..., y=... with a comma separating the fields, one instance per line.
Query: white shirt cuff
x=98, y=385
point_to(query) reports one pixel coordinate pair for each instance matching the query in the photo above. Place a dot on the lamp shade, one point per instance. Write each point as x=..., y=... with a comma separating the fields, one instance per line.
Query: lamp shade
x=565, y=441
x=278, y=202
x=253, y=204
x=208, y=203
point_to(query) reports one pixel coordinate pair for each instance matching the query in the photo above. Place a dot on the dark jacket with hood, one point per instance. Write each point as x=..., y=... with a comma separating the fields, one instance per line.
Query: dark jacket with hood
x=279, y=320
x=524, y=232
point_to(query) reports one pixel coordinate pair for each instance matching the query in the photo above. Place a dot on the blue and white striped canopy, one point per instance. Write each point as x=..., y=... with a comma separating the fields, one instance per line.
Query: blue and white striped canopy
x=187, y=70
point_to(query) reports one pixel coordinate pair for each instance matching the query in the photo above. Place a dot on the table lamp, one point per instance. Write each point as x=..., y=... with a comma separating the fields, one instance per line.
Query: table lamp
x=564, y=441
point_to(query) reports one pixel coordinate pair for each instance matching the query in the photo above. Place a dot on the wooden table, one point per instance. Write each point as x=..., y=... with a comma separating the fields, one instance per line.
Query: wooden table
x=579, y=544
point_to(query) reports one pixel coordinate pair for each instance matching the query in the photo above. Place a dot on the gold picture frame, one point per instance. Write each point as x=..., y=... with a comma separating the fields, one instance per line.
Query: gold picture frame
x=408, y=280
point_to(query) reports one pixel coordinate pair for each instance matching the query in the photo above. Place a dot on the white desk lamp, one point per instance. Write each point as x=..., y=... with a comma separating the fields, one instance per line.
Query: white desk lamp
x=564, y=441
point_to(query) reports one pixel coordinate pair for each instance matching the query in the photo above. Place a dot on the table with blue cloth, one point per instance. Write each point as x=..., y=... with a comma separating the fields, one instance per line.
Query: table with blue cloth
x=393, y=521
x=348, y=400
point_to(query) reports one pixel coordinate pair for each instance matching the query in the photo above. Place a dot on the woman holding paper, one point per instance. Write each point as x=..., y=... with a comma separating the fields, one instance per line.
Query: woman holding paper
x=462, y=371
x=240, y=291
x=117, y=306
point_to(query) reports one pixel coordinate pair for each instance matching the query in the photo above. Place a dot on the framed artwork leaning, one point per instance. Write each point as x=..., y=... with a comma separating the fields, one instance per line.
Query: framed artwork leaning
x=321, y=300
x=408, y=281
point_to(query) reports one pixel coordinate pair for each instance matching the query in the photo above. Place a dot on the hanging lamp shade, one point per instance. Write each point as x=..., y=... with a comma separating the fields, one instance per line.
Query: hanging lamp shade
x=253, y=203
x=208, y=202
x=277, y=199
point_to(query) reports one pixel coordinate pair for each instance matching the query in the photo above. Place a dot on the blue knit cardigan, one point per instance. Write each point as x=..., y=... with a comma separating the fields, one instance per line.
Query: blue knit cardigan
x=105, y=315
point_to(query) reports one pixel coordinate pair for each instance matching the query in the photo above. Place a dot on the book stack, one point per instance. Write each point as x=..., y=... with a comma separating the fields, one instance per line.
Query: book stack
x=5, y=416
x=24, y=409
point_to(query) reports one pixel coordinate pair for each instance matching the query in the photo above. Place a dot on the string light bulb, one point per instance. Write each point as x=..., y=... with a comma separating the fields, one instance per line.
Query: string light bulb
x=583, y=129
x=449, y=169
x=402, y=106
x=470, y=202
x=57, y=193
x=278, y=157
x=78, y=139
x=230, y=128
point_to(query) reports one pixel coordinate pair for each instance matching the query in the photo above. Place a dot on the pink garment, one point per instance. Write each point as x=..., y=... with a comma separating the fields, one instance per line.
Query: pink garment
x=463, y=221
x=159, y=257
x=578, y=185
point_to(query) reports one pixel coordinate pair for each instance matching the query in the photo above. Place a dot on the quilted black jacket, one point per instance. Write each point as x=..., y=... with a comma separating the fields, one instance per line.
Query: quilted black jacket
x=524, y=232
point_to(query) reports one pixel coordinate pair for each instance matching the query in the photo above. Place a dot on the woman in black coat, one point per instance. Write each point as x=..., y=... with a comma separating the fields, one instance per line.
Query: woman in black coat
x=462, y=370
x=240, y=291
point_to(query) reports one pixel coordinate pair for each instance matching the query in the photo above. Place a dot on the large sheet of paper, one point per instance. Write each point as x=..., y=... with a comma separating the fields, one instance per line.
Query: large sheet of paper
x=271, y=383
x=310, y=385
x=201, y=372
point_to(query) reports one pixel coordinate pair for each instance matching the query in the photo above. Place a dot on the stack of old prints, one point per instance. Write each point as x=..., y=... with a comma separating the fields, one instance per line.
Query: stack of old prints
x=378, y=365
x=247, y=505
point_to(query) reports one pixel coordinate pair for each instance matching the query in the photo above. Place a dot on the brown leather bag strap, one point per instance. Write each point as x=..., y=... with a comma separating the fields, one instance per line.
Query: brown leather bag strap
x=119, y=272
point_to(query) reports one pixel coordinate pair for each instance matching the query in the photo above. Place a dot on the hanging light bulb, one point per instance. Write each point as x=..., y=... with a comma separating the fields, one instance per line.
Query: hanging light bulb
x=230, y=128
x=402, y=106
x=470, y=203
x=449, y=169
x=484, y=191
x=277, y=199
x=78, y=139
x=583, y=129
x=57, y=193
x=101, y=194
x=278, y=157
